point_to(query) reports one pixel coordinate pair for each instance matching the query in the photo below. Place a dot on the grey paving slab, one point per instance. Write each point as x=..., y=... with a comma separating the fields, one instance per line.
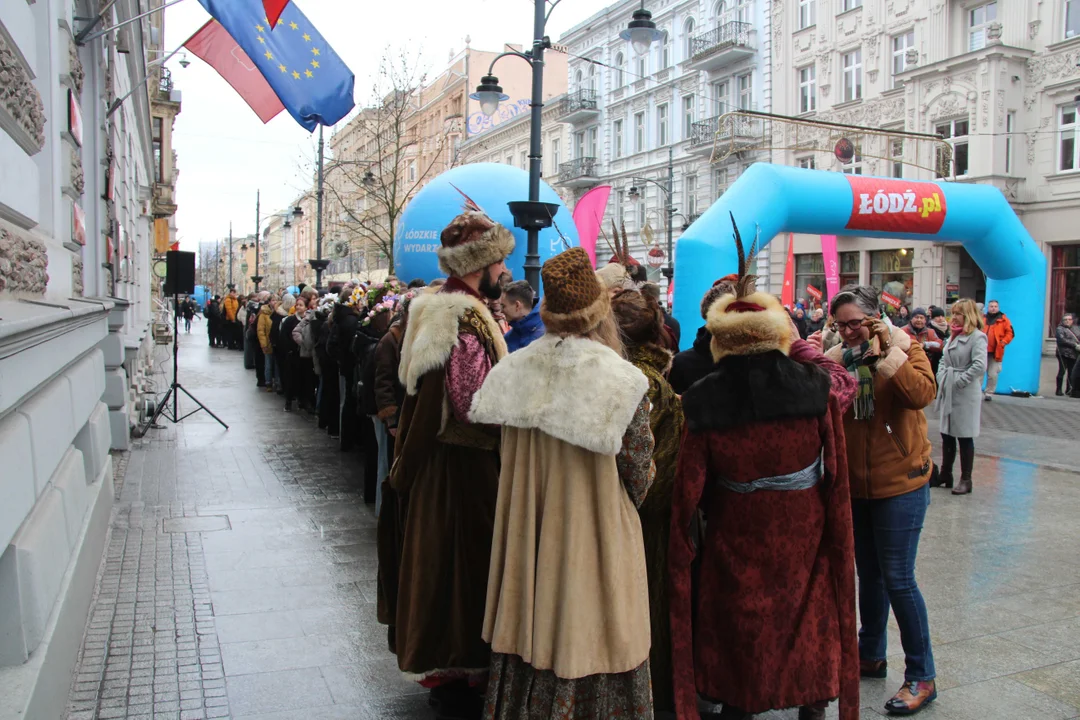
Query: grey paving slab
x=274, y=617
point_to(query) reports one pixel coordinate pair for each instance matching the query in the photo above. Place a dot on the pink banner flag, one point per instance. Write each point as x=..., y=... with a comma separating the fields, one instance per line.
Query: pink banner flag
x=588, y=216
x=832, y=265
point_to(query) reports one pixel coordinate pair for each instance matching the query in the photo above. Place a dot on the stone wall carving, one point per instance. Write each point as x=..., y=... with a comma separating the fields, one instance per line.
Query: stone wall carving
x=76, y=275
x=984, y=111
x=1033, y=29
x=20, y=99
x=1032, y=136
x=1040, y=69
x=78, y=182
x=24, y=263
x=1000, y=108
x=75, y=68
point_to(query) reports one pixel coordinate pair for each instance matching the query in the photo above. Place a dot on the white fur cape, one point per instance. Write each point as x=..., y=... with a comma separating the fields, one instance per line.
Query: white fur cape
x=432, y=333
x=576, y=390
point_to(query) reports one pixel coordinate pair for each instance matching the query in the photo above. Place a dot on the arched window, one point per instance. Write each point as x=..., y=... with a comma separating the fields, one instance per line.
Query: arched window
x=620, y=75
x=592, y=78
x=578, y=77
x=665, y=50
x=688, y=37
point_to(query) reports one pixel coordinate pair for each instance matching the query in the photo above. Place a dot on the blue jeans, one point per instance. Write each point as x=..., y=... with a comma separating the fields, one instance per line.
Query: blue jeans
x=381, y=438
x=271, y=370
x=886, y=543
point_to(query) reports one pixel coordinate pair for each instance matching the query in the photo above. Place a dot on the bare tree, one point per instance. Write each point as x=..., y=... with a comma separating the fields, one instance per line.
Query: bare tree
x=389, y=151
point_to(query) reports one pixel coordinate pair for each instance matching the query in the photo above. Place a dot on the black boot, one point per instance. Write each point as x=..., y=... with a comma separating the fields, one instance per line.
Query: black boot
x=967, y=462
x=948, y=457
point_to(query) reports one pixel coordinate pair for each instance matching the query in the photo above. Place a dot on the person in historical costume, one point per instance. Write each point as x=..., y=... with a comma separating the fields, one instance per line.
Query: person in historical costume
x=446, y=473
x=761, y=493
x=567, y=595
x=642, y=325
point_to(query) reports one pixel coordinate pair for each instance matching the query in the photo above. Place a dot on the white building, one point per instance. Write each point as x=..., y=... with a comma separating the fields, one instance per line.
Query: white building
x=998, y=80
x=628, y=115
x=76, y=184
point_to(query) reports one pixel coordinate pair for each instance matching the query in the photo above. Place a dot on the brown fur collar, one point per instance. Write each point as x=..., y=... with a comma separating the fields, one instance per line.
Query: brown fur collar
x=748, y=333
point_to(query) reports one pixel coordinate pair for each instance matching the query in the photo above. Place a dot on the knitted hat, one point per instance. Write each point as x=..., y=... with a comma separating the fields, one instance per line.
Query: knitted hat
x=638, y=316
x=936, y=312
x=574, y=301
x=918, y=311
x=471, y=242
x=723, y=286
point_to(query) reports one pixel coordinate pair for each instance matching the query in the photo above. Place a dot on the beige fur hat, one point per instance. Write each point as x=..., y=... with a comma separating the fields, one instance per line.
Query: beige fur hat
x=471, y=242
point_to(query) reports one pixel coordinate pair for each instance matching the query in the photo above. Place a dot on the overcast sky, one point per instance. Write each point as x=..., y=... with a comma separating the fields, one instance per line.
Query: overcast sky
x=225, y=153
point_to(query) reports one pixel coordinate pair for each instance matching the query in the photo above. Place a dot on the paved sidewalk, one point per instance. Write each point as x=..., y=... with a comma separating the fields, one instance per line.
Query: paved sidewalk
x=239, y=579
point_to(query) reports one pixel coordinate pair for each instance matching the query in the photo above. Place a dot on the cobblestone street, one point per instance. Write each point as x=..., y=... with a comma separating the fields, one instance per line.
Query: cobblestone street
x=239, y=577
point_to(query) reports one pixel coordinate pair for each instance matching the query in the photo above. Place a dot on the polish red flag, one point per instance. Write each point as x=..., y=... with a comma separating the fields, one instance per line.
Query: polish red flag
x=274, y=8
x=213, y=44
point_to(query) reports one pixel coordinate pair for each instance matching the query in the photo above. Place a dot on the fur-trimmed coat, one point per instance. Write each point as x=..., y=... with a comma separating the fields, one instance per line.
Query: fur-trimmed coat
x=567, y=590
x=436, y=522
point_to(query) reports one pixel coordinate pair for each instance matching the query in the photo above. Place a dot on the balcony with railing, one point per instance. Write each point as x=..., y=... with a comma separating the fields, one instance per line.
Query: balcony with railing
x=579, y=172
x=727, y=130
x=722, y=46
x=580, y=106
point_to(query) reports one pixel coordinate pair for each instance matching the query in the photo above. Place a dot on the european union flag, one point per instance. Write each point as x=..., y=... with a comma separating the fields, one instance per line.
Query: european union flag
x=312, y=82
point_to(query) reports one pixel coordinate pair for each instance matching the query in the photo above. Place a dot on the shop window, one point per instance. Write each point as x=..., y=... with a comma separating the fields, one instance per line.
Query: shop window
x=849, y=268
x=1064, y=282
x=891, y=271
x=809, y=270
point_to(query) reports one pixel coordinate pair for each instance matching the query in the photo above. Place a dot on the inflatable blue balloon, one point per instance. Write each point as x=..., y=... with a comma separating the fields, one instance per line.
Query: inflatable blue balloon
x=491, y=186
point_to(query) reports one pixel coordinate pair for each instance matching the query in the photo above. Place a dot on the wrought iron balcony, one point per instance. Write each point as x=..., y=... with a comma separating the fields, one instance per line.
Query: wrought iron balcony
x=580, y=105
x=727, y=128
x=722, y=46
x=579, y=172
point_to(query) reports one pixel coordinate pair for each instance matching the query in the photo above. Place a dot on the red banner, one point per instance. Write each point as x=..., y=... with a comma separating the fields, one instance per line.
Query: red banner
x=787, y=295
x=898, y=206
x=814, y=292
x=890, y=300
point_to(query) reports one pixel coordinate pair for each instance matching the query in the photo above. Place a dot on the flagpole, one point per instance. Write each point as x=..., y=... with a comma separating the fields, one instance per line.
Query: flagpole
x=230, y=256
x=256, y=278
x=319, y=267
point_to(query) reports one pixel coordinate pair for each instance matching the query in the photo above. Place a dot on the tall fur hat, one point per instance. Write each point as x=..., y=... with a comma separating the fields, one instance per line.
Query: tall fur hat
x=471, y=242
x=574, y=301
x=638, y=316
x=744, y=321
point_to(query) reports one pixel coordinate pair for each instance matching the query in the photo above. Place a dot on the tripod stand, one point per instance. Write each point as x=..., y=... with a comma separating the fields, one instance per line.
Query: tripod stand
x=176, y=388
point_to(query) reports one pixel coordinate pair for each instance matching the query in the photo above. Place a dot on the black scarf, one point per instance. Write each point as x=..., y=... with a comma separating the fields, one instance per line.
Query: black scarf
x=992, y=318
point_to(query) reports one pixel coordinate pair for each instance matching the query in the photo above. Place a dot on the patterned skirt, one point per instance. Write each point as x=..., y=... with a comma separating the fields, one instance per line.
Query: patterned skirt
x=517, y=691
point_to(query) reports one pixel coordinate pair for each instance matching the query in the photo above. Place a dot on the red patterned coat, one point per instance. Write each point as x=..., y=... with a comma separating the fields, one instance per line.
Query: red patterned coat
x=770, y=620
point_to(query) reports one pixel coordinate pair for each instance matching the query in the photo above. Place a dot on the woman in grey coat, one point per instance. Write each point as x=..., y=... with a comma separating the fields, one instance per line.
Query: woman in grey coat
x=959, y=400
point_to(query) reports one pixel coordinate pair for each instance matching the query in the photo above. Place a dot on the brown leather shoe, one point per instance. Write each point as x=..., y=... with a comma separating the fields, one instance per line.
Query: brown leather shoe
x=873, y=668
x=912, y=697
x=963, y=487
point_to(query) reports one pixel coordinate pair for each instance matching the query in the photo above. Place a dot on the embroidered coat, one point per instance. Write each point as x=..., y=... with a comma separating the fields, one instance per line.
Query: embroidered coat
x=776, y=585
x=567, y=590
x=435, y=531
x=666, y=423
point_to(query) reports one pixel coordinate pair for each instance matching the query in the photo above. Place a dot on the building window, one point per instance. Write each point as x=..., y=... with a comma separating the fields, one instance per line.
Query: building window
x=639, y=132
x=688, y=116
x=1072, y=18
x=720, y=180
x=850, y=5
x=1067, y=144
x=591, y=141
x=1064, y=282
x=978, y=19
x=1010, y=126
x=807, y=163
x=955, y=132
x=641, y=211
x=159, y=156
x=852, y=65
x=579, y=144
x=665, y=50
x=579, y=80
x=849, y=268
x=720, y=96
x=509, y=161
x=617, y=138
x=690, y=201
x=896, y=149
x=854, y=167
x=412, y=168
x=746, y=91
x=555, y=158
x=900, y=45
x=662, y=125
x=642, y=67
x=524, y=160
x=809, y=271
x=592, y=78
x=807, y=13
x=688, y=37
x=808, y=89
x=891, y=272
x=620, y=73
x=743, y=10
x=620, y=206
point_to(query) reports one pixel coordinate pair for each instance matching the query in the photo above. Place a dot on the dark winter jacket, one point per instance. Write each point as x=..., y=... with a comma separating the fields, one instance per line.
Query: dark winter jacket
x=389, y=392
x=691, y=365
x=524, y=331
x=1068, y=341
x=673, y=325
x=340, y=343
x=285, y=343
x=367, y=338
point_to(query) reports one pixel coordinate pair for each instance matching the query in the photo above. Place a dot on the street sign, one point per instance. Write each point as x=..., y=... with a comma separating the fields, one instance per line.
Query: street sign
x=814, y=292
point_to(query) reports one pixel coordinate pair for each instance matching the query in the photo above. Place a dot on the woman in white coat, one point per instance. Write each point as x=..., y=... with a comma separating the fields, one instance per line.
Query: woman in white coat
x=959, y=399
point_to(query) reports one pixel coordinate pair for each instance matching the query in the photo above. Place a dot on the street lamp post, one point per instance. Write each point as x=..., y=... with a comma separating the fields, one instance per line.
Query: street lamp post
x=256, y=278
x=669, y=190
x=533, y=215
x=318, y=264
x=230, y=257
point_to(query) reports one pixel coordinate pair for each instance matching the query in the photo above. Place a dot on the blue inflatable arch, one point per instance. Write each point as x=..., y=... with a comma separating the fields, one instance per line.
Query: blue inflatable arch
x=777, y=198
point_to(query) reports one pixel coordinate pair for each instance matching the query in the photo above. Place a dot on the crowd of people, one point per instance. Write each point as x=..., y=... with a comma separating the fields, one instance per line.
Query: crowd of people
x=561, y=494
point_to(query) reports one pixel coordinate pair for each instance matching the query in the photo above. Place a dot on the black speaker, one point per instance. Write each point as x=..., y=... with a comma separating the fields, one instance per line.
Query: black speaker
x=180, y=272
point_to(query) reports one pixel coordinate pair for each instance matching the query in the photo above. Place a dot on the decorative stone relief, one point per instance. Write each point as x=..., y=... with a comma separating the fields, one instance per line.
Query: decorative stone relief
x=968, y=78
x=993, y=33
x=20, y=100
x=1011, y=186
x=824, y=89
x=75, y=68
x=946, y=106
x=871, y=75
x=1031, y=136
x=870, y=40
x=1000, y=108
x=984, y=111
x=78, y=182
x=24, y=263
x=1033, y=29
x=76, y=275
